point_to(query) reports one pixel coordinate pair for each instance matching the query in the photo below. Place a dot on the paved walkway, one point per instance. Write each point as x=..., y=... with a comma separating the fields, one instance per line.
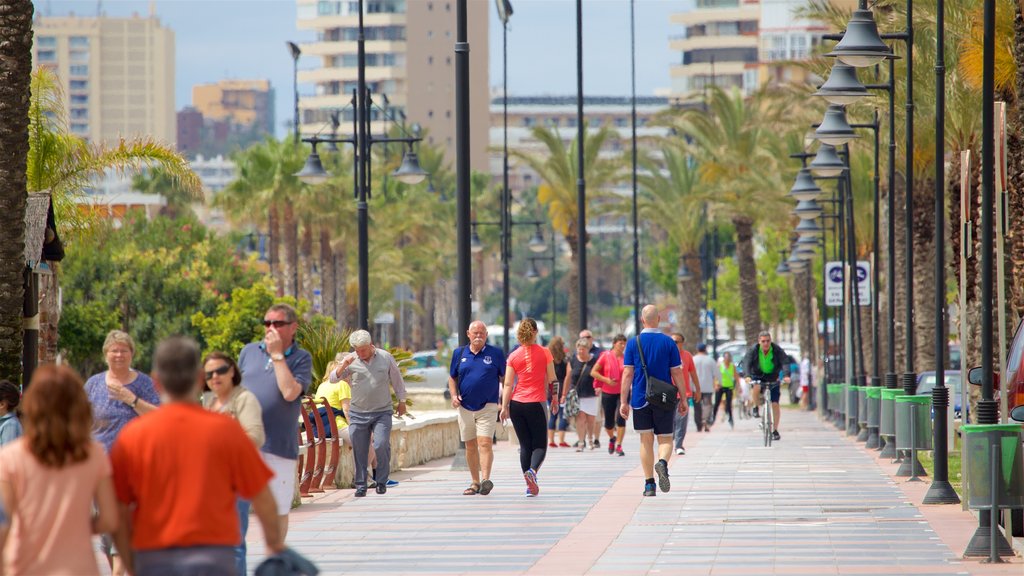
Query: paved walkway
x=814, y=503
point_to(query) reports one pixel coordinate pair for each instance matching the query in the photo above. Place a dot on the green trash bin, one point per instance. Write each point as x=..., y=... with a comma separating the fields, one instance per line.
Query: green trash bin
x=978, y=441
x=862, y=406
x=887, y=423
x=833, y=397
x=852, y=416
x=874, y=399
x=914, y=422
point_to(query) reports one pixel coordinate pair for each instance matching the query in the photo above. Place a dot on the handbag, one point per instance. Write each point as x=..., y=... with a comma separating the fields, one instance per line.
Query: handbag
x=572, y=397
x=660, y=394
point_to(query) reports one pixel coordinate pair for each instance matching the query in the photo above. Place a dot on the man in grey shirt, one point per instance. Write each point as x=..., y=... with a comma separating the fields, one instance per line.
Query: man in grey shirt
x=708, y=375
x=371, y=373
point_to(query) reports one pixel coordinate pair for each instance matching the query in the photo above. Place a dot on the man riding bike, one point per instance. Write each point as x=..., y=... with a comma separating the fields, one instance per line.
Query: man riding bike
x=767, y=363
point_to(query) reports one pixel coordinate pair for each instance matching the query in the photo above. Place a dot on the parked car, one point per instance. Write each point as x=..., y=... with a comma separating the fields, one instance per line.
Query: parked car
x=434, y=374
x=926, y=381
x=1014, y=371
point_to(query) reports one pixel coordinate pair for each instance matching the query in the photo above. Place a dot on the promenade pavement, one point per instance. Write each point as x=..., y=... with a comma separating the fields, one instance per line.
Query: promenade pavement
x=814, y=503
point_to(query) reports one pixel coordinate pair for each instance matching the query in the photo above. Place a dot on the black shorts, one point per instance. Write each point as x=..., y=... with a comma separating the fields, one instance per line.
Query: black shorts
x=776, y=390
x=612, y=416
x=649, y=419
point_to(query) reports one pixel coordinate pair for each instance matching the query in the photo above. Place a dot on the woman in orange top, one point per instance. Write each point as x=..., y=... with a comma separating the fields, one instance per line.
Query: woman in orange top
x=50, y=477
x=530, y=369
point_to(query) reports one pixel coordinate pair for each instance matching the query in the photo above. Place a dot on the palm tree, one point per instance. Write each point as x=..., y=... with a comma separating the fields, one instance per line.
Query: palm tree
x=736, y=142
x=673, y=201
x=557, y=169
x=16, y=53
x=64, y=164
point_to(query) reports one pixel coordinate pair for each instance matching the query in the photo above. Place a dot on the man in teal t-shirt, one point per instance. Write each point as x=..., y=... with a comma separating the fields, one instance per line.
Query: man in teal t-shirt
x=766, y=363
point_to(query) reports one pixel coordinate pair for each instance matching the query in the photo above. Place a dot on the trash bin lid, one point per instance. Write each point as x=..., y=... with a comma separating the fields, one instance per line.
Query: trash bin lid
x=982, y=428
x=832, y=388
x=892, y=393
x=874, y=392
x=922, y=399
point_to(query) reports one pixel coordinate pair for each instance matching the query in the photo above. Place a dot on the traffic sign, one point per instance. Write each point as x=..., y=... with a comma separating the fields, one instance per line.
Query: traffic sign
x=834, y=283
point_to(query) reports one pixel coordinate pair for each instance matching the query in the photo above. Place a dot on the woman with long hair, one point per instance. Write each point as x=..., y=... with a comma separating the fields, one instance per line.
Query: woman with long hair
x=529, y=373
x=50, y=477
x=556, y=418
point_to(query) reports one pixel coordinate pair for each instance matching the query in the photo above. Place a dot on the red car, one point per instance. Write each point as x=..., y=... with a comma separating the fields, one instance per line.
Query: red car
x=1014, y=371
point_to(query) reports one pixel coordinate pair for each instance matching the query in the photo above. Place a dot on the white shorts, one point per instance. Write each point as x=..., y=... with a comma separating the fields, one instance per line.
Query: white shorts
x=282, y=485
x=589, y=406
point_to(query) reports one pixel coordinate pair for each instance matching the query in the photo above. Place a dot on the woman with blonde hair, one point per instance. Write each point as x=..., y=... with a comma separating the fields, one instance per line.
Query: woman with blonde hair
x=50, y=477
x=524, y=393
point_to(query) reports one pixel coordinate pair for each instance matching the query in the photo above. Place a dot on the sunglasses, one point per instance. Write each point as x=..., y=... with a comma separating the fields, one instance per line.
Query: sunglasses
x=276, y=323
x=218, y=371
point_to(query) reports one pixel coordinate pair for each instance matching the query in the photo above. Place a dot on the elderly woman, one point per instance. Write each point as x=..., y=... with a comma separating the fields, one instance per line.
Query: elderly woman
x=50, y=479
x=117, y=395
x=224, y=394
x=580, y=379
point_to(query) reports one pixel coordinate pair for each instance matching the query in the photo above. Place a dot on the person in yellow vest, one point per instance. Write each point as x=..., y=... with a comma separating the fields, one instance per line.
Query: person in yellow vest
x=725, y=386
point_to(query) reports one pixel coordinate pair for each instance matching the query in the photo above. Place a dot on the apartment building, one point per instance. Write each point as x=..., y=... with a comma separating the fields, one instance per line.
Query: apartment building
x=410, y=58
x=786, y=38
x=719, y=47
x=117, y=74
x=242, y=103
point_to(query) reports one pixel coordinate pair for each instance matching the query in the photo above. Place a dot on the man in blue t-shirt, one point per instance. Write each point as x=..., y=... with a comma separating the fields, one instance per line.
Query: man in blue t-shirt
x=662, y=360
x=474, y=380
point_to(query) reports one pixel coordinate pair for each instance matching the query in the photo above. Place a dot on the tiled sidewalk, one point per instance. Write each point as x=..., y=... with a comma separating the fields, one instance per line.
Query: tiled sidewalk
x=814, y=503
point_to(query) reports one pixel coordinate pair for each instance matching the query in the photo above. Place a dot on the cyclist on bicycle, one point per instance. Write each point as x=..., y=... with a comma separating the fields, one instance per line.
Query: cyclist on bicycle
x=767, y=363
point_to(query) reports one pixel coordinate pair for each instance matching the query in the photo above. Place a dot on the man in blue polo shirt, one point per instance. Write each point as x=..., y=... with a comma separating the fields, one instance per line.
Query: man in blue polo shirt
x=662, y=360
x=474, y=380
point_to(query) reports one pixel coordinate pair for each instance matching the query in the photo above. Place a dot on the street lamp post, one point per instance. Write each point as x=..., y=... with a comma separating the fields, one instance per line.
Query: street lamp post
x=636, y=233
x=581, y=183
x=296, y=52
x=462, y=184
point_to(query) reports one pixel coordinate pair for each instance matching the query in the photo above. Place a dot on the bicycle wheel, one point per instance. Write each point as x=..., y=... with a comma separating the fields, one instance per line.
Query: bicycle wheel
x=768, y=428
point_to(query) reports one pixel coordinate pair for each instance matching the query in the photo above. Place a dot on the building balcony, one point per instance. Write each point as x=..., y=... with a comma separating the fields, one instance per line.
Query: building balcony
x=328, y=22
x=739, y=13
x=706, y=68
x=373, y=74
x=351, y=47
x=711, y=42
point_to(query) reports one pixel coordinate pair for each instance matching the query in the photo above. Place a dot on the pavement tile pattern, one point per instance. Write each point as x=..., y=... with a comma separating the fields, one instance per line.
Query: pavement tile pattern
x=813, y=503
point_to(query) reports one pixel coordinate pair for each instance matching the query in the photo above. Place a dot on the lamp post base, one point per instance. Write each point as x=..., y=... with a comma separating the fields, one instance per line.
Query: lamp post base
x=873, y=441
x=941, y=492
x=889, y=448
x=862, y=436
x=981, y=543
x=906, y=469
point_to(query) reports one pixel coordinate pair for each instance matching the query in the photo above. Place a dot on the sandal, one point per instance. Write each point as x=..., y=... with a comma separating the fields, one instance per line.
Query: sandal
x=473, y=489
x=485, y=487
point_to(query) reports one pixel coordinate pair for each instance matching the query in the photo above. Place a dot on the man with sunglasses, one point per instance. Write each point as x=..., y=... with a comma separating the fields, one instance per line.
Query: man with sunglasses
x=278, y=372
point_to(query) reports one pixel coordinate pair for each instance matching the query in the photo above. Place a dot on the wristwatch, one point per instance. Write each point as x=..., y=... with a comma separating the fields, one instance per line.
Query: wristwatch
x=277, y=357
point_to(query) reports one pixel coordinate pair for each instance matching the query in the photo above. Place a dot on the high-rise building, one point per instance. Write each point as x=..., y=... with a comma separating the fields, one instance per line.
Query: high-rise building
x=719, y=47
x=117, y=74
x=246, y=104
x=786, y=39
x=410, y=58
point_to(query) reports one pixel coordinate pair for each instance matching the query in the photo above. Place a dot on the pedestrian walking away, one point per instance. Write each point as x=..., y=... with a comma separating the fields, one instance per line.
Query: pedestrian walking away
x=726, y=385
x=529, y=371
x=118, y=395
x=767, y=363
x=556, y=416
x=474, y=380
x=580, y=381
x=50, y=478
x=10, y=426
x=607, y=375
x=372, y=374
x=681, y=422
x=179, y=472
x=278, y=372
x=709, y=379
x=224, y=394
x=658, y=358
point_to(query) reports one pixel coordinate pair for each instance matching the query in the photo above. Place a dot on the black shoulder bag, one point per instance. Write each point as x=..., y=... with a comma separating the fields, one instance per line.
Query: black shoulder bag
x=660, y=394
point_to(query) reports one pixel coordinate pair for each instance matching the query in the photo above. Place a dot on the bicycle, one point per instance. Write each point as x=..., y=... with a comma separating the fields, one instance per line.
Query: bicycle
x=767, y=425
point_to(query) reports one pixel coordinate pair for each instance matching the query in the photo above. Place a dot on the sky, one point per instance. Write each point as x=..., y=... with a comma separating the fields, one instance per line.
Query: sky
x=243, y=39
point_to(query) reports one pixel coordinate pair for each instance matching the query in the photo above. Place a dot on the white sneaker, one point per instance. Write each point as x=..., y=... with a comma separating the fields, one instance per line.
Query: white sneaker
x=680, y=451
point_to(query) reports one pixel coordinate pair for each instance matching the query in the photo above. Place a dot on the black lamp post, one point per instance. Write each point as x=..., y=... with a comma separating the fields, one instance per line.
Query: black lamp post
x=464, y=276
x=296, y=52
x=581, y=183
x=409, y=172
x=636, y=233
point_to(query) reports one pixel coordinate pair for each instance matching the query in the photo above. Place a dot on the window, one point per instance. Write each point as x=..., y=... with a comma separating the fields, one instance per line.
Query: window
x=448, y=114
x=430, y=59
x=79, y=55
x=79, y=84
x=78, y=42
x=430, y=33
x=596, y=122
x=430, y=6
x=79, y=98
x=79, y=113
x=46, y=42
x=430, y=114
x=47, y=56
x=621, y=123
x=79, y=70
x=448, y=60
x=528, y=121
x=79, y=128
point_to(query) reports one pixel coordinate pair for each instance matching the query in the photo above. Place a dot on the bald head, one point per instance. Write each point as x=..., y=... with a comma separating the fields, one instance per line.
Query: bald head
x=649, y=316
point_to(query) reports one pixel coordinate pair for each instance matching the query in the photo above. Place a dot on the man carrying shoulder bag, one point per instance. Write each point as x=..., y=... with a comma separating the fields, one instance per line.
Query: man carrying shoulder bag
x=649, y=393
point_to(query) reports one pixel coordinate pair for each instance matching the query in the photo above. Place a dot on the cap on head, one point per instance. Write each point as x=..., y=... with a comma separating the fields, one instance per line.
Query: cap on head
x=702, y=347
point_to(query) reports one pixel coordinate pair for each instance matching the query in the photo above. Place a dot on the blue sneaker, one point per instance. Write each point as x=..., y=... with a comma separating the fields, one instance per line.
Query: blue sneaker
x=650, y=489
x=392, y=483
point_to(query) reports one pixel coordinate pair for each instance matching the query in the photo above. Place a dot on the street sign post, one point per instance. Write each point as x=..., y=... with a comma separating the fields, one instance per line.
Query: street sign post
x=834, y=283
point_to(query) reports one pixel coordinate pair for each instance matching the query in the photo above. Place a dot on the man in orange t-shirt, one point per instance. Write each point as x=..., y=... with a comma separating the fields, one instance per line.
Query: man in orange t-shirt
x=178, y=472
x=692, y=391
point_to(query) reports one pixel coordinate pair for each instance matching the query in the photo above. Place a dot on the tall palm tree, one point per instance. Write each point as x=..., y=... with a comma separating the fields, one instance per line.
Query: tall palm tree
x=557, y=168
x=672, y=200
x=15, y=72
x=65, y=164
x=737, y=143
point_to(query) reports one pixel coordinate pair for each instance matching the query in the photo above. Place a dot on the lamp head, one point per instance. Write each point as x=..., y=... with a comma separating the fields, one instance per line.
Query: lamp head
x=827, y=162
x=531, y=272
x=842, y=86
x=804, y=188
x=537, y=243
x=834, y=128
x=410, y=171
x=475, y=245
x=313, y=171
x=809, y=228
x=807, y=209
x=861, y=45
